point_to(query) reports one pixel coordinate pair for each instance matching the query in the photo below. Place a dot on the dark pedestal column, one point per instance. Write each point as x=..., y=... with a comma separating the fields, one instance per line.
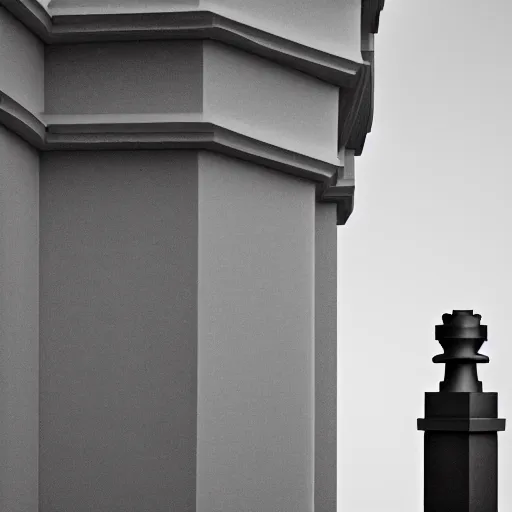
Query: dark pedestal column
x=461, y=424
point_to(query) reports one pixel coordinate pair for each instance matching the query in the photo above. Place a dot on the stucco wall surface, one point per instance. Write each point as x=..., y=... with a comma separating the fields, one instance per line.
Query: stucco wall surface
x=272, y=103
x=21, y=63
x=326, y=357
x=118, y=331
x=146, y=77
x=256, y=339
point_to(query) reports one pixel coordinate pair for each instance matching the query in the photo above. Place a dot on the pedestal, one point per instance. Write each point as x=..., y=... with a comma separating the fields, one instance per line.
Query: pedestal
x=461, y=451
x=461, y=424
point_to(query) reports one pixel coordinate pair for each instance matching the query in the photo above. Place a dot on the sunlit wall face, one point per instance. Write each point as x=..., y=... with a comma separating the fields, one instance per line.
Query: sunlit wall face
x=430, y=233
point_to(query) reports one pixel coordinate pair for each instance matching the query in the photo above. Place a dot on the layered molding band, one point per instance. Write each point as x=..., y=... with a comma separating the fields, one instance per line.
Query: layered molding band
x=355, y=78
x=192, y=24
x=334, y=183
x=174, y=131
x=22, y=122
x=341, y=188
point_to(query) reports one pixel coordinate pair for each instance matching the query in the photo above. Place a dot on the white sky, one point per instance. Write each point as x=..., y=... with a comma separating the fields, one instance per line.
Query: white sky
x=431, y=232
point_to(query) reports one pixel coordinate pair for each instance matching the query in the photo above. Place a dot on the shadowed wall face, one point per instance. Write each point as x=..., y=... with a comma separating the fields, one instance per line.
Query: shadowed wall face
x=118, y=339
x=146, y=77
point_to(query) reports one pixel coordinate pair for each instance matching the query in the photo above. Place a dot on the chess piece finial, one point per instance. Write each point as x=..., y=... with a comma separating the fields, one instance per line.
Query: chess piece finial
x=461, y=336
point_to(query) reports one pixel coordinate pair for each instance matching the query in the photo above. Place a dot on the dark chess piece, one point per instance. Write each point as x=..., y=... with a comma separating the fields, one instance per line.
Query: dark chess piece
x=461, y=337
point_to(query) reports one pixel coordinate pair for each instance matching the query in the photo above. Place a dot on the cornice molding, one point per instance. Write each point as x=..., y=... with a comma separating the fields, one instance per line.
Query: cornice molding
x=32, y=14
x=341, y=192
x=356, y=104
x=363, y=120
x=55, y=7
x=351, y=104
x=205, y=25
x=154, y=131
x=21, y=121
x=176, y=131
x=186, y=24
x=341, y=188
x=354, y=78
x=173, y=131
x=370, y=15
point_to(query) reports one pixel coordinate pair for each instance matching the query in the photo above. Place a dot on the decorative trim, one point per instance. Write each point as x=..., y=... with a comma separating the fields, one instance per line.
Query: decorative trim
x=341, y=188
x=363, y=120
x=21, y=121
x=130, y=132
x=335, y=184
x=370, y=15
x=182, y=131
x=125, y=123
x=462, y=424
x=190, y=24
x=56, y=7
x=351, y=103
x=341, y=193
x=189, y=131
x=362, y=125
x=159, y=131
x=204, y=25
x=32, y=14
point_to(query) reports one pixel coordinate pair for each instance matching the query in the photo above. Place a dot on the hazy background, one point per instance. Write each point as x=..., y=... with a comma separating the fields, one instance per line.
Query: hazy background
x=431, y=232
